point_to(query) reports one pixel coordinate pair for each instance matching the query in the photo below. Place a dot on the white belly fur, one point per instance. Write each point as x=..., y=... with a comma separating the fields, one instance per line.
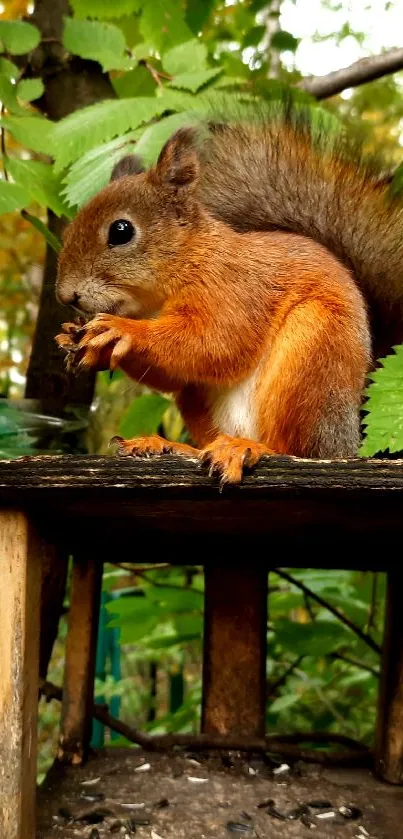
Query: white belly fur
x=233, y=408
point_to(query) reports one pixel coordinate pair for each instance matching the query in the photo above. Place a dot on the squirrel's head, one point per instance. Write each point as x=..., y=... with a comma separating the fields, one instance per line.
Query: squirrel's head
x=118, y=253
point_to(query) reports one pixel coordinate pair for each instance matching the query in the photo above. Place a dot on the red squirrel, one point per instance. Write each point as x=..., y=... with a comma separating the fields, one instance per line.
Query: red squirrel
x=249, y=275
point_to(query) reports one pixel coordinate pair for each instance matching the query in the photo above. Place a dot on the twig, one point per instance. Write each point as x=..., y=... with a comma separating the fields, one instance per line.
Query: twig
x=354, y=753
x=272, y=687
x=355, y=663
x=362, y=71
x=334, y=611
x=373, y=608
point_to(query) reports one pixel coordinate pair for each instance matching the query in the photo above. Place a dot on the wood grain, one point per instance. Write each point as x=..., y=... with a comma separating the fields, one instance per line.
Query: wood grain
x=20, y=575
x=389, y=740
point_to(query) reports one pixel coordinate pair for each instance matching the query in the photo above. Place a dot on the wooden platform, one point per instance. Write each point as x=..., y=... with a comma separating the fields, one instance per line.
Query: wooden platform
x=175, y=807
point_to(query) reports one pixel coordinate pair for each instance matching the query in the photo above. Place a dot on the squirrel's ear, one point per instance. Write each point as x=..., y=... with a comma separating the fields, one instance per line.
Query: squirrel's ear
x=129, y=165
x=178, y=163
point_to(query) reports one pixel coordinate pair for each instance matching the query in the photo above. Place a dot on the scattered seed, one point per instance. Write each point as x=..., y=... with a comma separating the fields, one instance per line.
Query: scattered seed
x=295, y=814
x=252, y=771
x=127, y=806
x=155, y=835
x=145, y=767
x=164, y=802
x=90, y=782
x=275, y=814
x=66, y=814
x=246, y=816
x=93, y=796
x=350, y=812
x=93, y=816
x=197, y=780
x=115, y=827
x=239, y=827
x=330, y=815
x=140, y=821
x=95, y=834
x=268, y=802
x=308, y=821
x=319, y=804
x=279, y=770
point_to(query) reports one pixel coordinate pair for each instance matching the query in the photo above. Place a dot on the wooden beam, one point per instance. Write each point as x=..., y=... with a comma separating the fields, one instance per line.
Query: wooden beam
x=389, y=740
x=78, y=689
x=20, y=575
x=234, y=677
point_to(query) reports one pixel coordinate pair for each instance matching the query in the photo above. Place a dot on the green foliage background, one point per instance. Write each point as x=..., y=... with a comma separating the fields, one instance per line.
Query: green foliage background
x=169, y=60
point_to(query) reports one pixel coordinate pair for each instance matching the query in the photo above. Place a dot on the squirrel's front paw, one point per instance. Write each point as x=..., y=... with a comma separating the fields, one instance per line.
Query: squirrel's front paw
x=105, y=341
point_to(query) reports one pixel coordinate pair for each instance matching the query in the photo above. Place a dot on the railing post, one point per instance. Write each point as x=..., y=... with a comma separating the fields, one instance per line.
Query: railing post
x=235, y=626
x=389, y=740
x=20, y=582
x=79, y=672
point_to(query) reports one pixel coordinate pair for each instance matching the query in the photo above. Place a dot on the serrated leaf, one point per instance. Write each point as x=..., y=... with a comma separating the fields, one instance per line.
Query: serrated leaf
x=188, y=57
x=12, y=197
x=18, y=37
x=33, y=132
x=143, y=416
x=89, y=127
x=47, y=234
x=194, y=81
x=105, y=9
x=155, y=136
x=284, y=41
x=30, y=89
x=162, y=23
x=137, y=82
x=383, y=422
x=92, y=172
x=96, y=41
x=39, y=181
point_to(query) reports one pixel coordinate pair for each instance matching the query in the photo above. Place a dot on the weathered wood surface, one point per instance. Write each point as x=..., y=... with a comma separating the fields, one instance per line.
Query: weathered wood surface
x=347, y=513
x=234, y=672
x=79, y=671
x=389, y=740
x=20, y=575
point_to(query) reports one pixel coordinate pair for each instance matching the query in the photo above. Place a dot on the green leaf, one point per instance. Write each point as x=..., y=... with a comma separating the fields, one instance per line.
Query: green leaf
x=137, y=82
x=194, y=81
x=33, y=132
x=143, y=416
x=12, y=197
x=92, y=172
x=105, y=9
x=47, y=234
x=153, y=138
x=39, y=181
x=185, y=58
x=102, y=42
x=88, y=127
x=18, y=37
x=283, y=702
x=30, y=89
x=383, y=423
x=8, y=69
x=317, y=639
x=198, y=13
x=284, y=41
x=163, y=23
x=172, y=640
x=8, y=96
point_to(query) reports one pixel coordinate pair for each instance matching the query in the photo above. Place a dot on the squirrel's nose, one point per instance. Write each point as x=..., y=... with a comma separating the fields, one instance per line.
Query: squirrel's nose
x=68, y=298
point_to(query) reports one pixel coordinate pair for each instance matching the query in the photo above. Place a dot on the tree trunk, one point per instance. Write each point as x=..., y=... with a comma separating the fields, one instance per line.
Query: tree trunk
x=69, y=84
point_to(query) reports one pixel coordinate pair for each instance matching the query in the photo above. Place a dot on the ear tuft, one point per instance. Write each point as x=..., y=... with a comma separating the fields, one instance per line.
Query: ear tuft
x=178, y=163
x=129, y=165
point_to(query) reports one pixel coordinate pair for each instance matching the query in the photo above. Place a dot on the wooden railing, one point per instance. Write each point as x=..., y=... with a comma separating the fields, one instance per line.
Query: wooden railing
x=289, y=512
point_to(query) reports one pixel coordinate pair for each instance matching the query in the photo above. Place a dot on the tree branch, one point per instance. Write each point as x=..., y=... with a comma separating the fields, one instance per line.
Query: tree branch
x=341, y=617
x=354, y=753
x=362, y=71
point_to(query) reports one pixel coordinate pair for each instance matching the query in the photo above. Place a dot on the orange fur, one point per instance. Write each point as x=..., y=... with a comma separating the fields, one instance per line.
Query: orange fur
x=262, y=336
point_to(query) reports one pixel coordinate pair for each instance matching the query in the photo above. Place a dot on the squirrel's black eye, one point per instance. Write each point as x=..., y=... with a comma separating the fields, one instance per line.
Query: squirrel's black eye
x=120, y=233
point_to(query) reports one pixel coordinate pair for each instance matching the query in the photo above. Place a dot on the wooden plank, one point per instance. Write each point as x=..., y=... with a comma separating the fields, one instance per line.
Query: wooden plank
x=20, y=575
x=79, y=673
x=234, y=674
x=389, y=740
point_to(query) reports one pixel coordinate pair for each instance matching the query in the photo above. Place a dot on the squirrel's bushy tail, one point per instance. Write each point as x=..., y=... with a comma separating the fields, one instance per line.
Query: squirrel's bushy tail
x=284, y=173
